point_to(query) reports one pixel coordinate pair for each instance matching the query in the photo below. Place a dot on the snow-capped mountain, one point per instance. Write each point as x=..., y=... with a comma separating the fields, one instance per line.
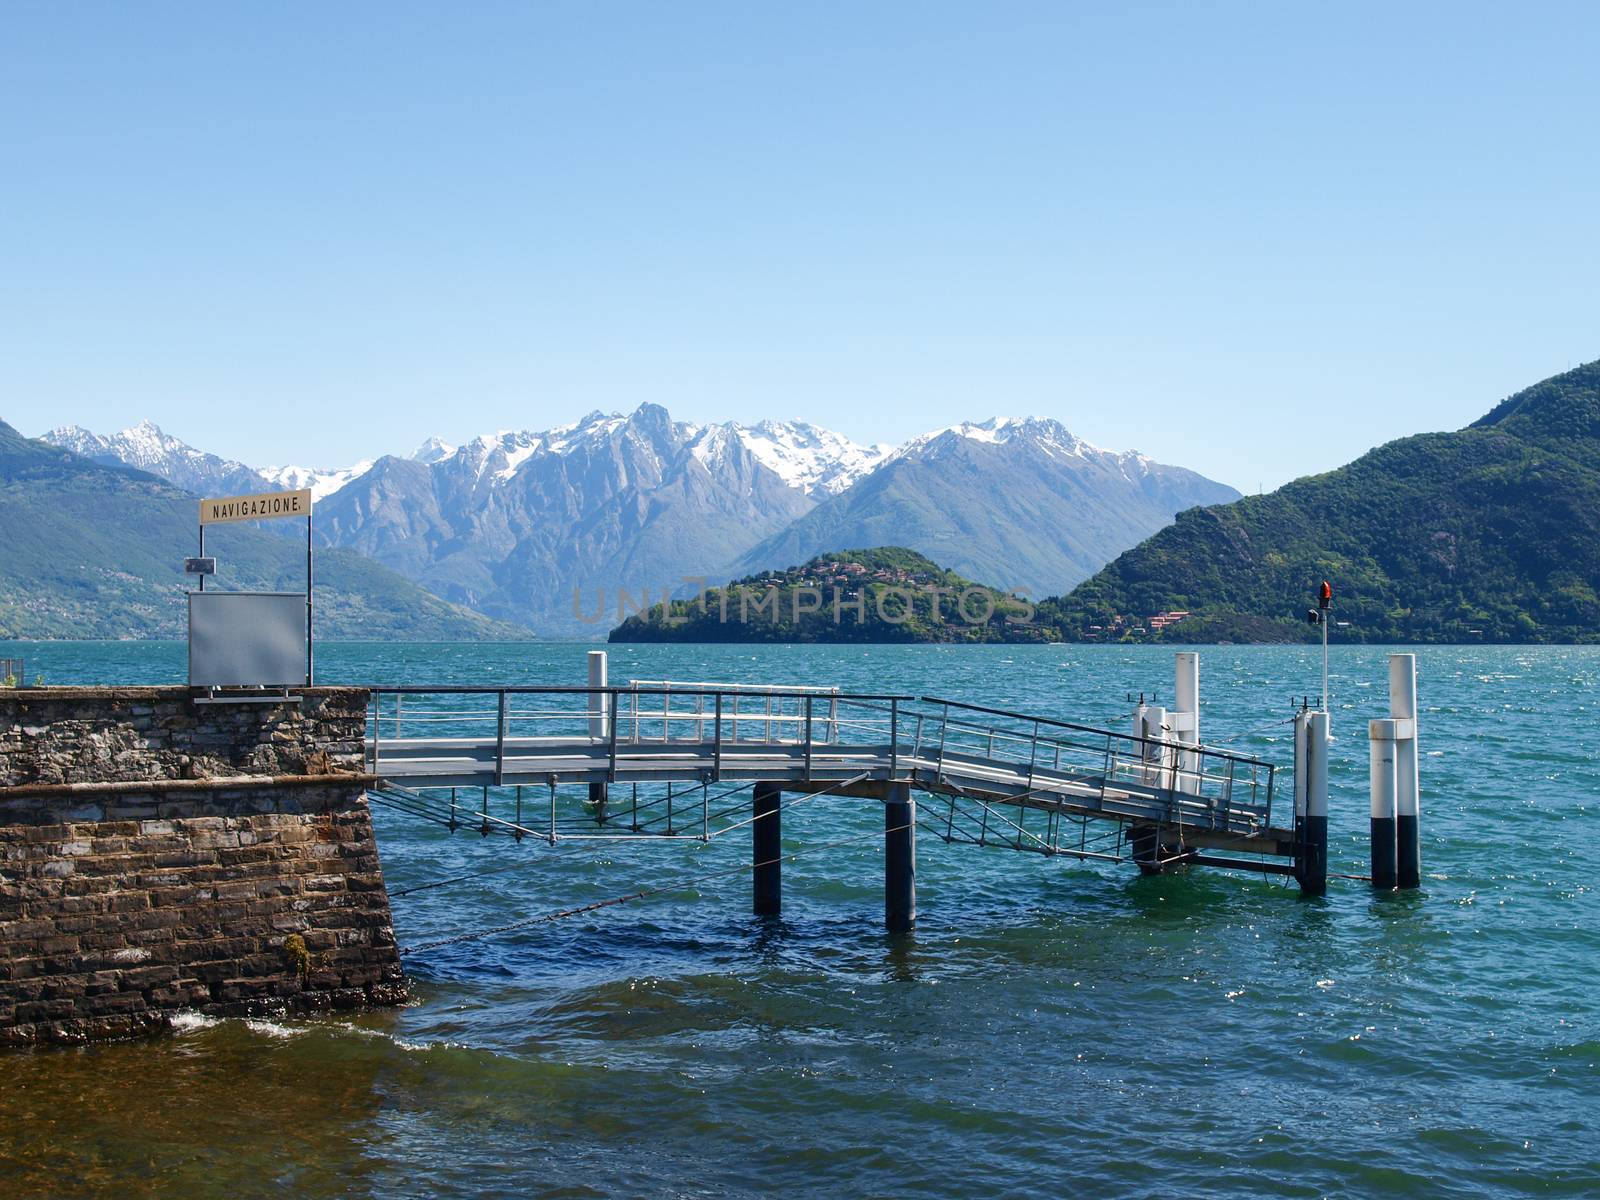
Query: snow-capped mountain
x=93, y=550
x=516, y=522
x=803, y=455
x=432, y=451
x=321, y=482
x=148, y=448
x=806, y=457
x=1048, y=436
x=1013, y=502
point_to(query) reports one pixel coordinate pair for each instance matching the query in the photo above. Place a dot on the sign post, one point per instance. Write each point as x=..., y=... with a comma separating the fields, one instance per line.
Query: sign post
x=261, y=506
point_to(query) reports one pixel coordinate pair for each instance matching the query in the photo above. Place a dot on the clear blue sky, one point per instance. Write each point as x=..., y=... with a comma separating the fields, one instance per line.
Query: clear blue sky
x=1256, y=240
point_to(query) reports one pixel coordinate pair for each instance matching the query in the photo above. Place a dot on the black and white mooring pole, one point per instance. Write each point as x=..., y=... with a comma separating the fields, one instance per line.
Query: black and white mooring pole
x=1312, y=735
x=1394, y=753
x=1311, y=801
x=1407, y=829
x=1396, y=850
x=1382, y=773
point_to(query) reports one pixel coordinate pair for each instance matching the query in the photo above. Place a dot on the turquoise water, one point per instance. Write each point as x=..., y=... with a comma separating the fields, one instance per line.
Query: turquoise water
x=1051, y=1027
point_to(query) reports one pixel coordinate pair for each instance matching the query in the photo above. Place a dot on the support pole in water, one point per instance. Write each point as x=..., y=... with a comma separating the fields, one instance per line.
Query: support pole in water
x=599, y=718
x=1403, y=707
x=1313, y=865
x=767, y=849
x=899, y=859
x=1144, y=844
x=1381, y=741
x=1153, y=723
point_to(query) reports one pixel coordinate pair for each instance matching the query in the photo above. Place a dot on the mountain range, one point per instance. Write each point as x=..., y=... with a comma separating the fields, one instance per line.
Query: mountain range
x=1491, y=532
x=1020, y=502
x=146, y=447
x=1488, y=533
x=537, y=528
x=90, y=550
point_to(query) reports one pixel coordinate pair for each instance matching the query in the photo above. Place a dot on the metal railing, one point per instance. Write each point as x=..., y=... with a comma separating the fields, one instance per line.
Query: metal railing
x=1217, y=788
x=631, y=723
x=704, y=731
x=780, y=714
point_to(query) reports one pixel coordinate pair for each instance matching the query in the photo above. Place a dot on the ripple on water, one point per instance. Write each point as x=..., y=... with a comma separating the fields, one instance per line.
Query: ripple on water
x=1052, y=1027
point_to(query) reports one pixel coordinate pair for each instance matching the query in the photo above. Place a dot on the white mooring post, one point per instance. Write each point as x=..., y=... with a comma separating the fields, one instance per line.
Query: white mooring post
x=1151, y=722
x=1184, y=720
x=1403, y=709
x=1140, y=748
x=597, y=700
x=1381, y=741
x=1313, y=858
x=600, y=717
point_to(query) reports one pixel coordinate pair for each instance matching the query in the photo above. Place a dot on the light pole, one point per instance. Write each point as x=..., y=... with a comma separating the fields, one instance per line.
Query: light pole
x=1324, y=607
x=1322, y=615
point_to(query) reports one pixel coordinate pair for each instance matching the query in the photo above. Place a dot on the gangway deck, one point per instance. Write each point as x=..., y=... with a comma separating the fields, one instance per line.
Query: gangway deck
x=1165, y=801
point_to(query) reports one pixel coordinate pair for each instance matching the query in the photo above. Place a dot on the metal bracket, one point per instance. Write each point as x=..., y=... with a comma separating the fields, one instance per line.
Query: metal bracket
x=282, y=696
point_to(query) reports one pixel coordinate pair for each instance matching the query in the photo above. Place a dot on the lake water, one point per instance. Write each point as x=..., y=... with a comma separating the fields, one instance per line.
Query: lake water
x=1052, y=1027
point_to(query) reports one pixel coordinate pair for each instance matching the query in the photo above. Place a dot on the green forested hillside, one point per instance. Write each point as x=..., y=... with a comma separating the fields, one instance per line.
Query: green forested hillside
x=92, y=551
x=1489, y=533
x=887, y=594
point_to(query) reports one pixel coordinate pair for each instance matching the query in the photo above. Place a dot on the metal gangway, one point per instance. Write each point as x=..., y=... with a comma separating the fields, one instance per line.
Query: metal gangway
x=674, y=759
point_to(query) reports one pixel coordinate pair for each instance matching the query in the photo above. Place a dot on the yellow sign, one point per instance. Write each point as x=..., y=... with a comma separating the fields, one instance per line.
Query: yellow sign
x=256, y=508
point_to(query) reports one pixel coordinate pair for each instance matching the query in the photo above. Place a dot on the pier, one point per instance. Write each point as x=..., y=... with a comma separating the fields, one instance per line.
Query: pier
x=684, y=760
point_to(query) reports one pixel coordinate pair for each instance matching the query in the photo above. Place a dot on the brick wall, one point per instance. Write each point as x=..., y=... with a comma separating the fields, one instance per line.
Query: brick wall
x=157, y=855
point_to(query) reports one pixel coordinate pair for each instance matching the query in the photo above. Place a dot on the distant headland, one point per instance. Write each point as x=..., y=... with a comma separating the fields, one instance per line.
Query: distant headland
x=886, y=594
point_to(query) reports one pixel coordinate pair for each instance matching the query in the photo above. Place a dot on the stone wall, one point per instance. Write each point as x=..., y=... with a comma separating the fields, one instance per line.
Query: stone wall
x=64, y=735
x=158, y=855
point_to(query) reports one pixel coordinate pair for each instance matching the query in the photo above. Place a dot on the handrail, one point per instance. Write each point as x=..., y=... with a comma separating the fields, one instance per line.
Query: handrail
x=1129, y=737
x=753, y=689
x=457, y=689
x=997, y=734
